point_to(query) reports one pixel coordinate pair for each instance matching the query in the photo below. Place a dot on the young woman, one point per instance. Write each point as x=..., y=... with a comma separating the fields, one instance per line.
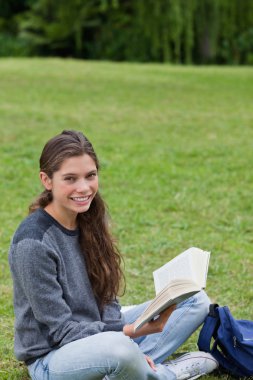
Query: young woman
x=67, y=274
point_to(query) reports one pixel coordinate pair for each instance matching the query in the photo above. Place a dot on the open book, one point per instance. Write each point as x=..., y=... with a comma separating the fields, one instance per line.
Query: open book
x=179, y=279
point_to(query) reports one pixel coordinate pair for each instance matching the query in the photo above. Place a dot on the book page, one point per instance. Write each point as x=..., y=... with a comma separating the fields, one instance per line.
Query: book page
x=190, y=264
x=179, y=267
x=200, y=262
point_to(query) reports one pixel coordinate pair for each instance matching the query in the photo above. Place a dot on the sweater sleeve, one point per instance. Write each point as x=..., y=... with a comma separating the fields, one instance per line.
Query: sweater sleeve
x=112, y=316
x=37, y=270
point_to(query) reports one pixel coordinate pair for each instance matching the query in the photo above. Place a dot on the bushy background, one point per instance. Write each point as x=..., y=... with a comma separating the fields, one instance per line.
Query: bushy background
x=178, y=31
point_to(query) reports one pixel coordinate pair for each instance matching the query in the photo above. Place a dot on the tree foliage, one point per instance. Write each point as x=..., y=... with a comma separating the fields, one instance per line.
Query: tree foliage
x=177, y=31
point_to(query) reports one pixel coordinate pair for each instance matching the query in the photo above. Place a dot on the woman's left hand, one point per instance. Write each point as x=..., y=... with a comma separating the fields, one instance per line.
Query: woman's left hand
x=150, y=362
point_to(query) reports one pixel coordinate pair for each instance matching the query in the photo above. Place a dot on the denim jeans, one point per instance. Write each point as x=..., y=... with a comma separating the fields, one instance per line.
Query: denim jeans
x=112, y=355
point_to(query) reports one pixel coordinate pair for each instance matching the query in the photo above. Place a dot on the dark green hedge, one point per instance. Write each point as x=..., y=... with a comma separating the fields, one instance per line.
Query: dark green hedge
x=177, y=31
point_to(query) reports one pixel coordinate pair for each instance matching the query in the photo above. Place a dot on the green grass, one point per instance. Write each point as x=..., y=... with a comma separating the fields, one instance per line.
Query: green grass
x=175, y=145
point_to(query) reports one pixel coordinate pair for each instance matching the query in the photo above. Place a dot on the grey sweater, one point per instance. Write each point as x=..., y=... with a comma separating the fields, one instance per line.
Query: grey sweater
x=53, y=300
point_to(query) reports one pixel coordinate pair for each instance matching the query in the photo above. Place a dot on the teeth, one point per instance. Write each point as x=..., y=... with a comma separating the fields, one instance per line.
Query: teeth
x=80, y=199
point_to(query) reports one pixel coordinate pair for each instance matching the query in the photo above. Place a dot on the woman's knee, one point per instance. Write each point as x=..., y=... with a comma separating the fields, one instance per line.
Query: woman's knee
x=124, y=350
x=196, y=306
x=203, y=302
x=200, y=306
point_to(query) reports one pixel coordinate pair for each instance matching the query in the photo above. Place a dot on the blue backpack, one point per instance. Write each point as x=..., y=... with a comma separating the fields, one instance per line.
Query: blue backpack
x=231, y=339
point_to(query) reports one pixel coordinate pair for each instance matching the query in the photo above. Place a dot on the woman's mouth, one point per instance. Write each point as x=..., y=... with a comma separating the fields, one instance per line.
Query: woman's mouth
x=81, y=199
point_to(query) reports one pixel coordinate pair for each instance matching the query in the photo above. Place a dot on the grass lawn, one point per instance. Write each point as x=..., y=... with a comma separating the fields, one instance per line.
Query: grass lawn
x=175, y=145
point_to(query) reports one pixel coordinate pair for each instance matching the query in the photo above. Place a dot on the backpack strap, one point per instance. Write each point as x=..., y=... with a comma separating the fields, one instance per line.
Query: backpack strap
x=212, y=309
x=208, y=329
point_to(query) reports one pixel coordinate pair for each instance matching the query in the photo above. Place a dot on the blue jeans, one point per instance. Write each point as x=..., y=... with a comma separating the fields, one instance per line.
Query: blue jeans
x=112, y=355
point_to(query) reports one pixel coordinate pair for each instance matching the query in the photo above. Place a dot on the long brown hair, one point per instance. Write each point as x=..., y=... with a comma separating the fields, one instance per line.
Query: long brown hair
x=101, y=254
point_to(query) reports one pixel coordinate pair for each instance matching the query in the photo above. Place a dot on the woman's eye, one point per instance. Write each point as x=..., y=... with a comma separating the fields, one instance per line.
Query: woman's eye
x=70, y=179
x=91, y=175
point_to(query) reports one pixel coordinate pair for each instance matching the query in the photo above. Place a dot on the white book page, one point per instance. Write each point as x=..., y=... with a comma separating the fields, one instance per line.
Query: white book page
x=179, y=267
x=190, y=264
x=200, y=262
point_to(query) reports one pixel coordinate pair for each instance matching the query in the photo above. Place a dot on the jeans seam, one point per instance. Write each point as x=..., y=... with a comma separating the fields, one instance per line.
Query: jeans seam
x=87, y=367
x=37, y=364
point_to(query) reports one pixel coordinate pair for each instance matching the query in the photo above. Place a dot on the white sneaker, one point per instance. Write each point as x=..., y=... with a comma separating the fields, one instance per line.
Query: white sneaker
x=192, y=365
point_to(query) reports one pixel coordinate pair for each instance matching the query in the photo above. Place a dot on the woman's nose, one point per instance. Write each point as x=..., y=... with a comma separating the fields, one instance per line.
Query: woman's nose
x=82, y=185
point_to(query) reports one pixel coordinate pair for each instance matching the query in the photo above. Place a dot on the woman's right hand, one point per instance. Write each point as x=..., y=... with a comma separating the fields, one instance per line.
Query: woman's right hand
x=152, y=327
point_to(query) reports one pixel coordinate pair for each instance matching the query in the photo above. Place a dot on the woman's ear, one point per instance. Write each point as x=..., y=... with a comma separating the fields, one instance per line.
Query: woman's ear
x=46, y=181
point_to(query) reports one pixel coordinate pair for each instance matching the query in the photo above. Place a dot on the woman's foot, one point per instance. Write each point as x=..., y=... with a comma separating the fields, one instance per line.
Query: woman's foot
x=192, y=365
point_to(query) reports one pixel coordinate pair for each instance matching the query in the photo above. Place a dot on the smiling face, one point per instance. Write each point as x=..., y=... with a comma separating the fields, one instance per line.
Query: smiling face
x=73, y=188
